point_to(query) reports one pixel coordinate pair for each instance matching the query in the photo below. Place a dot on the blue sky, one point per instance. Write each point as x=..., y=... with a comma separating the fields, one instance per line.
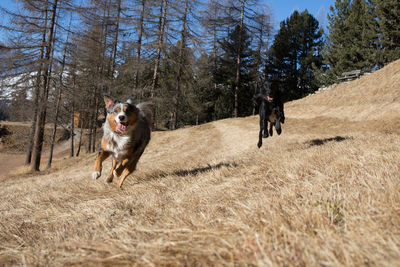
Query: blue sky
x=282, y=9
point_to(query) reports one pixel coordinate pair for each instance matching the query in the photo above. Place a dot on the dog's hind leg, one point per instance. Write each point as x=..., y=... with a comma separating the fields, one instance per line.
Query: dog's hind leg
x=110, y=176
x=263, y=121
x=282, y=117
x=271, y=132
x=265, y=128
x=278, y=127
x=103, y=155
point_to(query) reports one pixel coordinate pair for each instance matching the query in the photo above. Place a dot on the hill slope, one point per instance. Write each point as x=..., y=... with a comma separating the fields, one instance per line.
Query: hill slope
x=325, y=192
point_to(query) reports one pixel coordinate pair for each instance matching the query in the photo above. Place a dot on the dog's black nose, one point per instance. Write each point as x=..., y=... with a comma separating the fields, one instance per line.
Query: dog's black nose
x=121, y=117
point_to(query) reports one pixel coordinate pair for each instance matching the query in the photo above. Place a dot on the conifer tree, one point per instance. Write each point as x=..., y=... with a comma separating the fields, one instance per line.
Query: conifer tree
x=227, y=75
x=361, y=48
x=296, y=54
x=387, y=14
x=352, y=41
x=333, y=51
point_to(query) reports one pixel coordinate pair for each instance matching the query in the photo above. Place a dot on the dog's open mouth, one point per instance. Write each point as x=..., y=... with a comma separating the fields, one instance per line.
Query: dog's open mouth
x=121, y=126
x=268, y=98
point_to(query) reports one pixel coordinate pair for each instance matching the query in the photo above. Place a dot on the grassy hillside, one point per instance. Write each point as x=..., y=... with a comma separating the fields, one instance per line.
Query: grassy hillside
x=15, y=137
x=326, y=192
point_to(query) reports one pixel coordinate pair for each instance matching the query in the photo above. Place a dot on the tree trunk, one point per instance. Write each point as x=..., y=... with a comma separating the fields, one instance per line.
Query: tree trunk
x=238, y=61
x=72, y=143
x=89, y=147
x=163, y=16
x=100, y=80
x=53, y=138
x=80, y=138
x=43, y=95
x=71, y=150
x=96, y=115
x=90, y=134
x=114, y=54
x=36, y=93
x=180, y=66
x=162, y=22
x=139, y=46
x=103, y=42
x=214, y=57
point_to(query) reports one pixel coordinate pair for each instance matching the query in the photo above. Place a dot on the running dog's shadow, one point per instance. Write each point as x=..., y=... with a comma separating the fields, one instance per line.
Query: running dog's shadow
x=194, y=171
x=320, y=142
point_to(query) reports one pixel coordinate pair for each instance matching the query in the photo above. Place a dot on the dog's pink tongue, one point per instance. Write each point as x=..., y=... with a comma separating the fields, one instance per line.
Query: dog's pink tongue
x=121, y=127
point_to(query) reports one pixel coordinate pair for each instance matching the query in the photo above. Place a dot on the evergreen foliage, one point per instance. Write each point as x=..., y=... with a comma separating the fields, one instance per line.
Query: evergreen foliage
x=189, y=108
x=206, y=87
x=363, y=34
x=227, y=71
x=352, y=41
x=296, y=54
x=387, y=13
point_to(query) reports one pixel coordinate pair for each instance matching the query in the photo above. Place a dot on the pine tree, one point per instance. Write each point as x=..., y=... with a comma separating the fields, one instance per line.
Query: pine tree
x=170, y=67
x=227, y=75
x=310, y=55
x=206, y=86
x=361, y=48
x=388, y=16
x=337, y=41
x=295, y=55
x=353, y=40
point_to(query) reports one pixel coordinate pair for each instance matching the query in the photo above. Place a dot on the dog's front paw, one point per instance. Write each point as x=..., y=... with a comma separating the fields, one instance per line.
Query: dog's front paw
x=96, y=175
x=109, y=179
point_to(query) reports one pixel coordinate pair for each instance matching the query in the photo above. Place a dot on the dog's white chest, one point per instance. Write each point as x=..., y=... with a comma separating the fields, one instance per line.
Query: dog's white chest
x=118, y=146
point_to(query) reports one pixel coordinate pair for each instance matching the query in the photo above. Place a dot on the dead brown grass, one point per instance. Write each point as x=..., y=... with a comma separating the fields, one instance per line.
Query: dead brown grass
x=16, y=141
x=325, y=193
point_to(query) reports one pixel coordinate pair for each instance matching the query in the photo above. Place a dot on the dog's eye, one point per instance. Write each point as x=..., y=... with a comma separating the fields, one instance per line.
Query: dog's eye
x=129, y=108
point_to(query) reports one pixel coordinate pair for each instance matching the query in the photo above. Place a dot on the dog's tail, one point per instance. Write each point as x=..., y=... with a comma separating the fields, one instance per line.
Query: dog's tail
x=146, y=110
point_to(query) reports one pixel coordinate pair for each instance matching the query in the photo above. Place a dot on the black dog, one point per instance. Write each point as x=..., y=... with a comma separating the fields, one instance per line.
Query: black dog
x=270, y=110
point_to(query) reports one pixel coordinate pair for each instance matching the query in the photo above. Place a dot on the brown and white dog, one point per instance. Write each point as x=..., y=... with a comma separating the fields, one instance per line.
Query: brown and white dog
x=126, y=135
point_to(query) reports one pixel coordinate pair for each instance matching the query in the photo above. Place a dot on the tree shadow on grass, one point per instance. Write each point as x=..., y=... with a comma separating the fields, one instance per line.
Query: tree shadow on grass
x=320, y=142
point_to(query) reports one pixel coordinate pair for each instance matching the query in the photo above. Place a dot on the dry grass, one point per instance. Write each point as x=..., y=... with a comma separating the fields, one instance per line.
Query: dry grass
x=324, y=193
x=16, y=141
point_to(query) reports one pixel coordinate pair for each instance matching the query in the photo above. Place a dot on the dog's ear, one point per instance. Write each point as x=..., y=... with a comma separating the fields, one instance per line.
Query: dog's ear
x=131, y=99
x=108, y=101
